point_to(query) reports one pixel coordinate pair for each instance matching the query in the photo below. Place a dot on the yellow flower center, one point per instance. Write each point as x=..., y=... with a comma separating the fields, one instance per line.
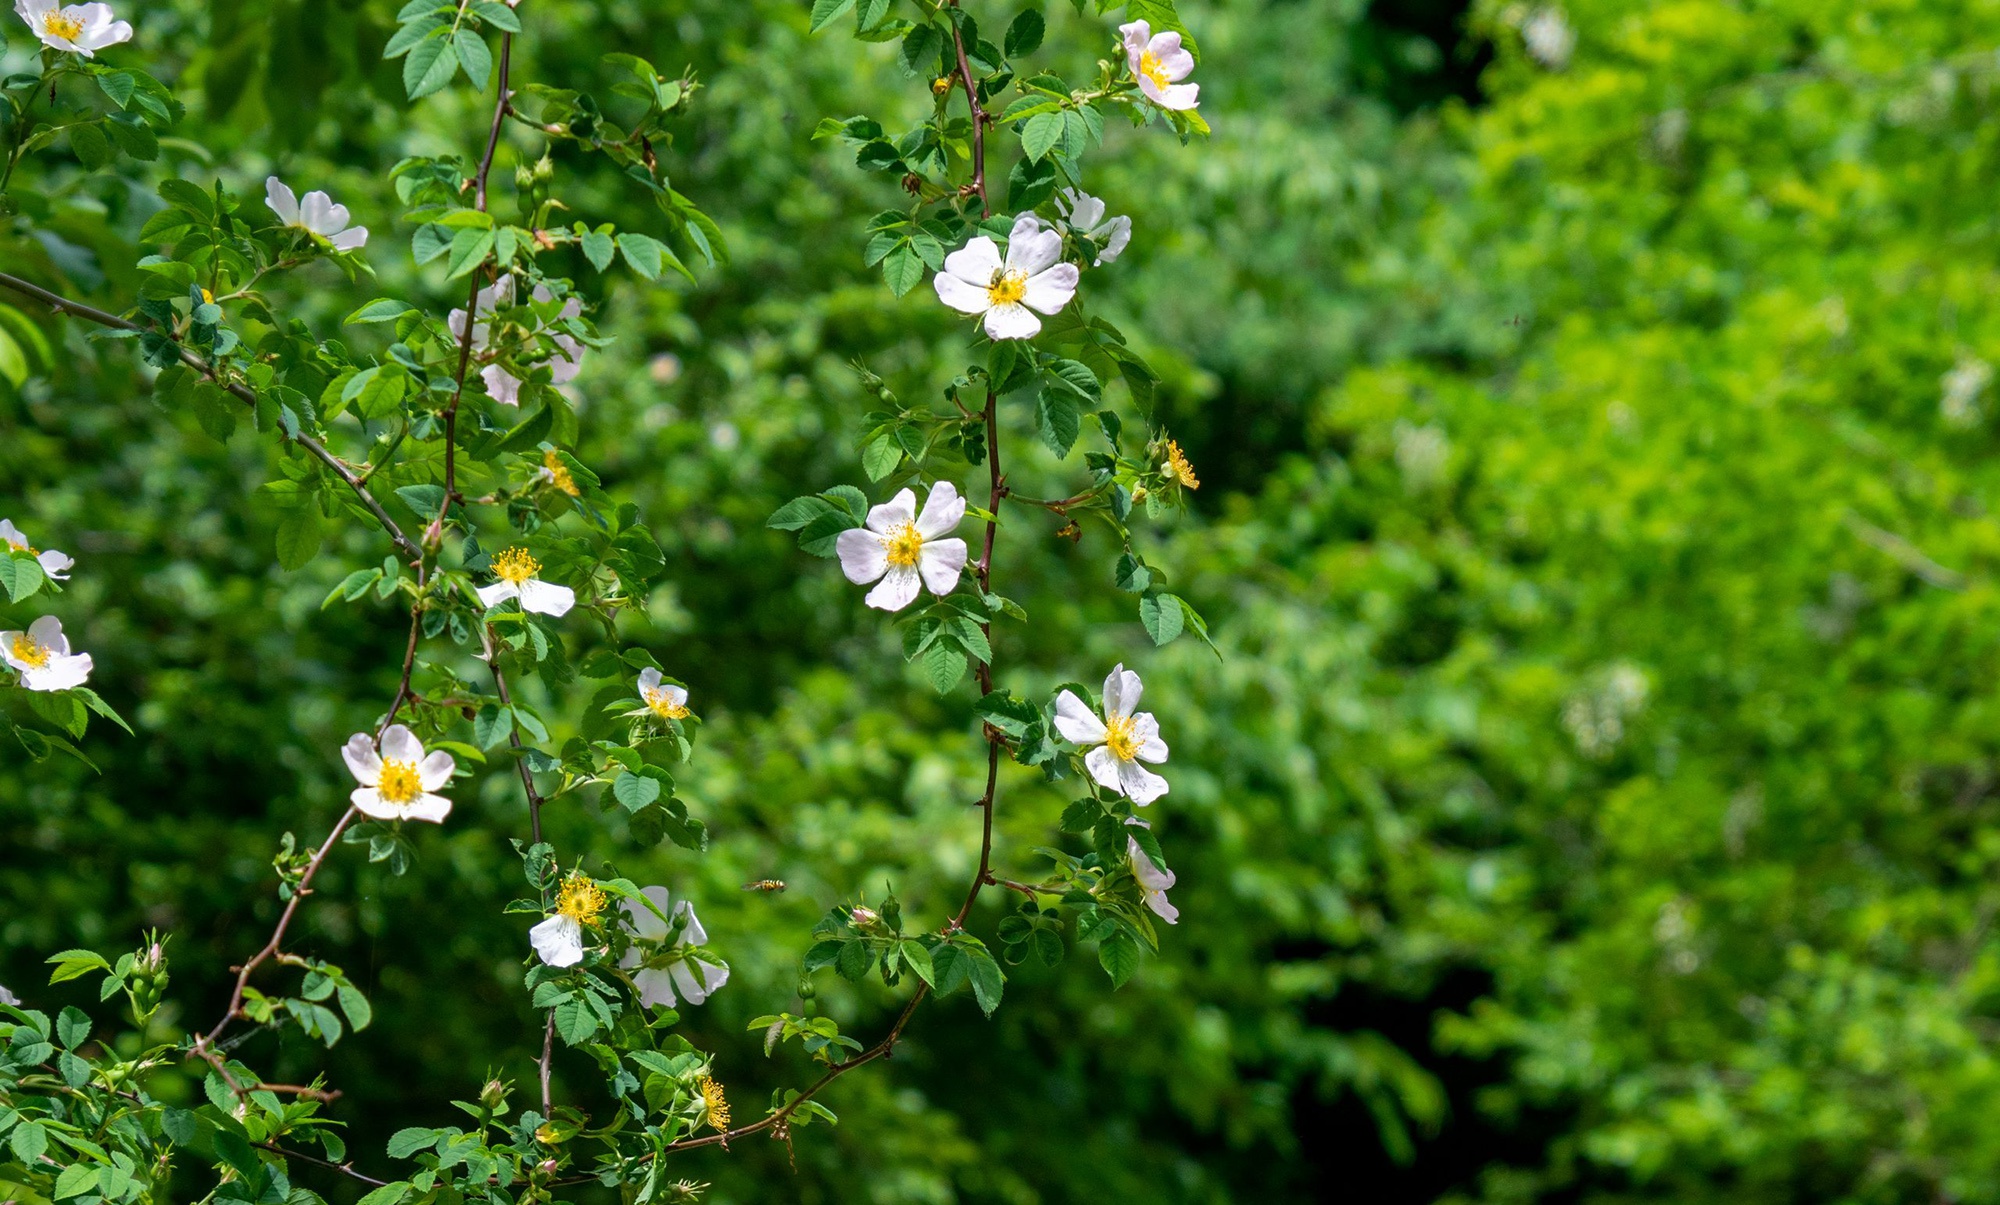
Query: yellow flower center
x=715, y=1103
x=663, y=705
x=1177, y=469
x=1008, y=287
x=59, y=24
x=30, y=653
x=559, y=474
x=580, y=899
x=515, y=565
x=400, y=783
x=1121, y=736
x=903, y=544
x=1149, y=66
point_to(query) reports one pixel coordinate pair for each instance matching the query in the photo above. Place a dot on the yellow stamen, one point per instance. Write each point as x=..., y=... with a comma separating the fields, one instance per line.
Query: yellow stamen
x=714, y=1103
x=515, y=565
x=1177, y=469
x=902, y=545
x=580, y=899
x=1008, y=287
x=1121, y=737
x=559, y=474
x=400, y=783
x=1149, y=66
x=59, y=24
x=30, y=653
x=663, y=705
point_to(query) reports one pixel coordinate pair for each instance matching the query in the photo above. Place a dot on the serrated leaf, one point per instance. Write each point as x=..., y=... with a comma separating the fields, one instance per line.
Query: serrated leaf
x=1024, y=33
x=1119, y=956
x=635, y=791
x=1162, y=616
x=826, y=11
x=430, y=64
x=1041, y=132
x=492, y=726
x=944, y=665
x=469, y=249
x=599, y=249
x=1057, y=419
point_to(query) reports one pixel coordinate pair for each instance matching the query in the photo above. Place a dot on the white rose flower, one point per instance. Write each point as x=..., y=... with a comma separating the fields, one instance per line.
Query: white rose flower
x=54, y=564
x=516, y=571
x=1152, y=880
x=398, y=782
x=1121, y=739
x=558, y=941
x=1086, y=216
x=503, y=385
x=663, y=699
x=975, y=280
x=317, y=214
x=82, y=28
x=1159, y=63
x=41, y=656
x=902, y=547
x=7, y=997
x=667, y=967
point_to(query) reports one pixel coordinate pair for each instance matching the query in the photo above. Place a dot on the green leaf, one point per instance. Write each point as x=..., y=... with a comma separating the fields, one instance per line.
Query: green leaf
x=424, y=500
x=21, y=576
x=1162, y=615
x=72, y=1027
x=499, y=16
x=1057, y=419
x=410, y=33
x=635, y=791
x=299, y=535
x=388, y=1194
x=430, y=64
x=880, y=457
x=76, y=1179
x=920, y=961
x=382, y=309
x=74, y=964
x=798, y=512
x=406, y=1142
x=987, y=980
x=1024, y=34
x=90, y=145
x=474, y=55
x=903, y=268
x=854, y=960
x=1041, y=132
x=599, y=249
x=826, y=11
x=647, y=255
x=492, y=726
x=469, y=249
x=29, y=1141
x=944, y=665
x=1119, y=956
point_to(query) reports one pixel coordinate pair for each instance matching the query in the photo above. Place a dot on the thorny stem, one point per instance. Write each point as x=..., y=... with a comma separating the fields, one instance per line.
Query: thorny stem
x=535, y=831
x=979, y=121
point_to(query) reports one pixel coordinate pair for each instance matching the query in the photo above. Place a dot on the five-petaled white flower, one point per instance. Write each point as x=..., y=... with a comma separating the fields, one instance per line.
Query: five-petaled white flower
x=83, y=28
x=976, y=280
x=41, y=656
x=398, y=782
x=664, y=967
x=317, y=214
x=1159, y=62
x=503, y=385
x=1086, y=217
x=663, y=699
x=53, y=563
x=1122, y=739
x=1152, y=880
x=902, y=547
x=559, y=939
x=516, y=571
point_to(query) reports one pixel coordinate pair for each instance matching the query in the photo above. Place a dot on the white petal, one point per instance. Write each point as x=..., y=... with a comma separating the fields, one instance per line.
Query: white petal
x=676, y=695
x=656, y=987
x=498, y=592
x=941, y=562
x=649, y=681
x=315, y=208
x=435, y=770
x=1120, y=230
x=369, y=801
x=698, y=980
x=336, y=220
x=61, y=673
x=1162, y=907
x=47, y=632
x=400, y=744
x=1034, y=247
x=1146, y=729
x=894, y=513
x=433, y=808
x=362, y=760
x=1085, y=211
x=11, y=535
x=546, y=598
x=640, y=920
x=975, y=262
x=1174, y=96
x=7, y=640
x=55, y=564
x=110, y=35
x=1150, y=876
x=503, y=385
x=1051, y=290
x=1078, y=724
x=282, y=200
x=1175, y=62
x=1135, y=35
x=1103, y=768
x=863, y=556
x=350, y=239
x=1011, y=322
x=1139, y=784
x=960, y=295
x=692, y=932
x=898, y=589
x=1122, y=689
x=559, y=941
x=942, y=511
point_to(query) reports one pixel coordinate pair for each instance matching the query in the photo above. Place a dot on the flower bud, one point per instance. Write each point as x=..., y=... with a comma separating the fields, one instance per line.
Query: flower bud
x=863, y=918
x=493, y=1096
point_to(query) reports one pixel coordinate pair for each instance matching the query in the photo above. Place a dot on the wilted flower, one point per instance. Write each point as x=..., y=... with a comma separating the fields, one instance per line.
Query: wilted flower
x=317, y=214
x=1175, y=468
x=976, y=280
x=516, y=571
x=1152, y=880
x=557, y=474
x=82, y=28
x=1159, y=63
x=663, y=699
x=664, y=967
x=901, y=547
x=41, y=656
x=54, y=564
x=1121, y=739
x=398, y=782
x=1086, y=217
x=715, y=1105
x=559, y=939
x=503, y=385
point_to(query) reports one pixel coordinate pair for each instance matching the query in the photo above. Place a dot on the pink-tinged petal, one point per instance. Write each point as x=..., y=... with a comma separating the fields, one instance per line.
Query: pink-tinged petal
x=863, y=557
x=1033, y=246
x=427, y=807
x=1011, y=322
x=898, y=589
x=1139, y=784
x=351, y=239
x=941, y=562
x=47, y=632
x=282, y=200
x=558, y=940
x=961, y=295
x=314, y=209
x=1179, y=97
x=362, y=760
x=1135, y=35
x=1050, y=291
x=1162, y=907
x=942, y=511
x=894, y=513
x=400, y=744
x=1078, y=724
x=368, y=801
x=1103, y=768
x=1150, y=876
x=656, y=987
x=975, y=262
x=55, y=564
x=546, y=598
x=497, y=593
x=435, y=770
x=1174, y=59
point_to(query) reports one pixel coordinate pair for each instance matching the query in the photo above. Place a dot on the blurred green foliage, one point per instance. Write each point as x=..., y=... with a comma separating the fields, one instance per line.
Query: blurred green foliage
x=1596, y=795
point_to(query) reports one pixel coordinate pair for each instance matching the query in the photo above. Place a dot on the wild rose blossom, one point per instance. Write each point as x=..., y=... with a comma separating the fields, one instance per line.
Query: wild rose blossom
x=317, y=215
x=41, y=656
x=54, y=564
x=516, y=571
x=1153, y=880
x=1119, y=741
x=1085, y=215
x=903, y=548
x=558, y=940
x=505, y=387
x=81, y=29
x=976, y=280
x=398, y=780
x=663, y=968
x=1159, y=62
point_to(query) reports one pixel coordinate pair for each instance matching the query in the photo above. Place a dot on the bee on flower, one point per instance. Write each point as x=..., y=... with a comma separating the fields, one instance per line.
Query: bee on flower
x=558, y=940
x=1159, y=62
x=42, y=658
x=516, y=570
x=55, y=565
x=663, y=956
x=399, y=781
x=1118, y=741
x=976, y=280
x=904, y=549
x=81, y=29
x=317, y=215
